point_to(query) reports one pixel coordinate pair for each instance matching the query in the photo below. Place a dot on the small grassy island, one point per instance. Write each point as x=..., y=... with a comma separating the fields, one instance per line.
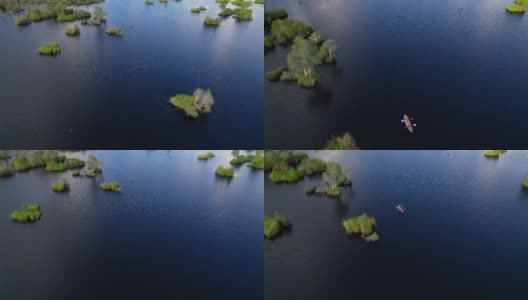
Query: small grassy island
x=60, y=186
x=494, y=153
x=258, y=160
x=199, y=103
x=223, y=171
x=110, y=186
x=343, y=142
x=210, y=21
x=268, y=44
x=114, y=31
x=149, y=2
x=198, y=9
x=30, y=213
x=275, y=74
x=274, y=225
x=72, y=31
x=206, y=156
x=49, y=49
x=518, y=6
x=363, y=225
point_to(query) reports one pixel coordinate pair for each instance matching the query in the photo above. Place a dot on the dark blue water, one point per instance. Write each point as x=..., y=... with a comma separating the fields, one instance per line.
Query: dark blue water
x=457, y=67
x=463, y=235
x=105, y=92
x=177, y=231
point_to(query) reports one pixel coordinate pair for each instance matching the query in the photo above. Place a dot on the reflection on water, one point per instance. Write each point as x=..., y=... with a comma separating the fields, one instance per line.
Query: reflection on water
x=459, y=235
x=176, y=230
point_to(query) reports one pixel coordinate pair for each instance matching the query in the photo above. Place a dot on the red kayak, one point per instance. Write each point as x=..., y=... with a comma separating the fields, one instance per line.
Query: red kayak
x=407, y=121
x=400, y=208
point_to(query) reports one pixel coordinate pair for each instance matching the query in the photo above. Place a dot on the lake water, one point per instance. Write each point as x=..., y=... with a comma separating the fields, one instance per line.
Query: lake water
x=463, y=235
x=457, y=67
x=106, y=92
x=177, y=230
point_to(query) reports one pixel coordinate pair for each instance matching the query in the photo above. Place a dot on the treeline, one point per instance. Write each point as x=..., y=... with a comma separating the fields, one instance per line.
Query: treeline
x=20, y=5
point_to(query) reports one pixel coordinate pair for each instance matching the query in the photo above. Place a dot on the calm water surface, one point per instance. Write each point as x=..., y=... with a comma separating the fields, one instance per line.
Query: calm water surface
x=177, y=230
x=457, y=67
x=105, y=92
x=462, y=237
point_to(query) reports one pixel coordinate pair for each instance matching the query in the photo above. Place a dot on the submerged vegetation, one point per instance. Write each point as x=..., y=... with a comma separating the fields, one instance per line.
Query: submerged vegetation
x=363, y=225
x=274, y=225
x=110, y=186
x=223, y=171
x=343, y=142
x=60, y=186
x=49, y=49
x=199, y=103
x=29, y=213
x=206, y=156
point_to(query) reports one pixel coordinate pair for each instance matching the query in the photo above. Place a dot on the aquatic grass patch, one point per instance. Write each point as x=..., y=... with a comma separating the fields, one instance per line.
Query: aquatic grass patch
x=29, y=213
x=241, y=159
x=56, y=167
x=227, y=12
x=268, y=43
x=223, y=171
x=518, y=6
x=114, y=31
x=308, y=80
x=74, y=163
x=274, y=14
x=210, y=21
x=259, y=1
x=22, y=20
x=198, y=9
x=242, y=14
x=3, y=155
x=333, y=191
x=110, y=186
x=310, y=190
x=257, y=162
x=525, y=182
x=60, y=186
x=363, y=225
x=72, y=31
x=312, y=166
x=149, y=2
x=49, y=49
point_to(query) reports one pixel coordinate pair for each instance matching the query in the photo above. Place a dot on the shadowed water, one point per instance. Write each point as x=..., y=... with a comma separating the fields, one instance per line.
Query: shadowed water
x=457, y=67
x=105, y=92
x=176, y=230
x=462, y=237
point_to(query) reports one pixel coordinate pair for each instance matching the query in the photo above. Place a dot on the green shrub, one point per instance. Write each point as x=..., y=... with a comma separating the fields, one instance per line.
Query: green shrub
x=288, y=175
x=49, y=49
x=76, y=174
x=82, y=14
x=274, y=14
x=343, y=142
x=363, y=225
x=275, y=74
x=21, y=164
x=525, y=182
x=312, y=166
x=225, y=171
x=3, y=155
x=206, y=156
x=60, y=186
x=257, y=162
x=307, y=80
x=37, y=14
x=243, y=14
x=110, y=186
x=114, y=31
x=309, y=190
x=28, y=213
x=283, y=31
x=227, y=12
x=374, y=237
x=268, y=43
x=72, y=31
x=93, y=173
x=282, y=219
x=198, y=9
x=210, y=21
x=6, y=172
x=149, y=2
x=259, y=1
x=333, y=191
x=74, y=163
x=66, y=17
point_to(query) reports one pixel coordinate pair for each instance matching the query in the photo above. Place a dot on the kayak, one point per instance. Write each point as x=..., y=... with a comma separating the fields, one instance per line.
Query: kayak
x=400, y=208
x=408, y=123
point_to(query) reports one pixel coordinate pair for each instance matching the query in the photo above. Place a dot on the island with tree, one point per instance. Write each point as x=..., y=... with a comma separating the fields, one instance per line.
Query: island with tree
x=200, y=102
